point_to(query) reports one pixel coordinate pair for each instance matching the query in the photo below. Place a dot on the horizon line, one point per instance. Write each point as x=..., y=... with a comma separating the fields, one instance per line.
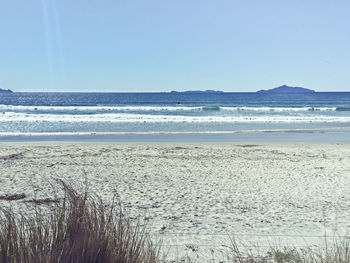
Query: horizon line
x=172, y=91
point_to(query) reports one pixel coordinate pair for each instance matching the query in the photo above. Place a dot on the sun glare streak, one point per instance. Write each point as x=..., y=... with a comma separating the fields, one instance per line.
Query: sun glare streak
x=59, y=42
x=53, y=44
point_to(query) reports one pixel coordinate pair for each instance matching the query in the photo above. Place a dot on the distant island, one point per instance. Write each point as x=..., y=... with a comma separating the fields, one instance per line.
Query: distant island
x=198, y=91
x=6, y=91
x=287, y=89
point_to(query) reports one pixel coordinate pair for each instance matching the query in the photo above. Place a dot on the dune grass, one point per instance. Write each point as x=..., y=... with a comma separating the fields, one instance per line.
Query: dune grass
x=79, y=228
x=338, y=252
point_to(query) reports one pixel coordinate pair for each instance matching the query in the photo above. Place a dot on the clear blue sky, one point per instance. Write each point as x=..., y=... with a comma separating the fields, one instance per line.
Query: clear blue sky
x=163, y=45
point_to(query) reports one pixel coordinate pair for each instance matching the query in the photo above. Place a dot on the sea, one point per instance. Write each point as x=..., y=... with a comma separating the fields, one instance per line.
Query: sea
x=175, y=116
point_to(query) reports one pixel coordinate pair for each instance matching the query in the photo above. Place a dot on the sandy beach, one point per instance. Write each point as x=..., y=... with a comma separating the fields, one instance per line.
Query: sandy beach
x=196, y=196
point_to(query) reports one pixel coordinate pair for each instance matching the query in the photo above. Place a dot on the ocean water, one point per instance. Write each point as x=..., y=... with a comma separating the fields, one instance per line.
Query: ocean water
x=45, y=114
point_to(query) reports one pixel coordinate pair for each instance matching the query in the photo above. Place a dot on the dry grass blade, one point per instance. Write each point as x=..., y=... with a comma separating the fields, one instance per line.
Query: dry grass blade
x=42, y=201
x=12, y=197
x=79, y=228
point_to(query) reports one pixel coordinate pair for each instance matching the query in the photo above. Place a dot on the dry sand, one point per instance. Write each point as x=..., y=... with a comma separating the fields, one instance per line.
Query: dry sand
x=195, y=196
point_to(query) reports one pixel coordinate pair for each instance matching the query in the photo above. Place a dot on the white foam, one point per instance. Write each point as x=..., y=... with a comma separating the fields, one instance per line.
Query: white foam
x=3, y=134
x=280, y=109
x=142, y=118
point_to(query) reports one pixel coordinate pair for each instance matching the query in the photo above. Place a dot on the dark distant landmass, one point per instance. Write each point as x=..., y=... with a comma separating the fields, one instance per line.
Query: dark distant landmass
x=286, y=89
x=6, y=91
x=198, y=91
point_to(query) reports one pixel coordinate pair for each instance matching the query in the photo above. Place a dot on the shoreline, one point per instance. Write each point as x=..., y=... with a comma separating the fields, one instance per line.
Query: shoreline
x=301, y=135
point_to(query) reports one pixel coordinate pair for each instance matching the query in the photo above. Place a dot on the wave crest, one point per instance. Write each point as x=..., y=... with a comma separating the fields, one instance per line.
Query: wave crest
x=7, y=108
x=139, y=118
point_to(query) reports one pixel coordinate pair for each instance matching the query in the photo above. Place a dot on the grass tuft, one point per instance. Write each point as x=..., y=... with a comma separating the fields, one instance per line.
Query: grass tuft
x=79, y=228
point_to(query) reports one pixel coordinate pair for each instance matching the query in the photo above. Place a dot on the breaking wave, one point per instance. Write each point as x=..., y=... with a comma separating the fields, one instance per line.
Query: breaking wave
x=6, y=108
x=139, y=118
